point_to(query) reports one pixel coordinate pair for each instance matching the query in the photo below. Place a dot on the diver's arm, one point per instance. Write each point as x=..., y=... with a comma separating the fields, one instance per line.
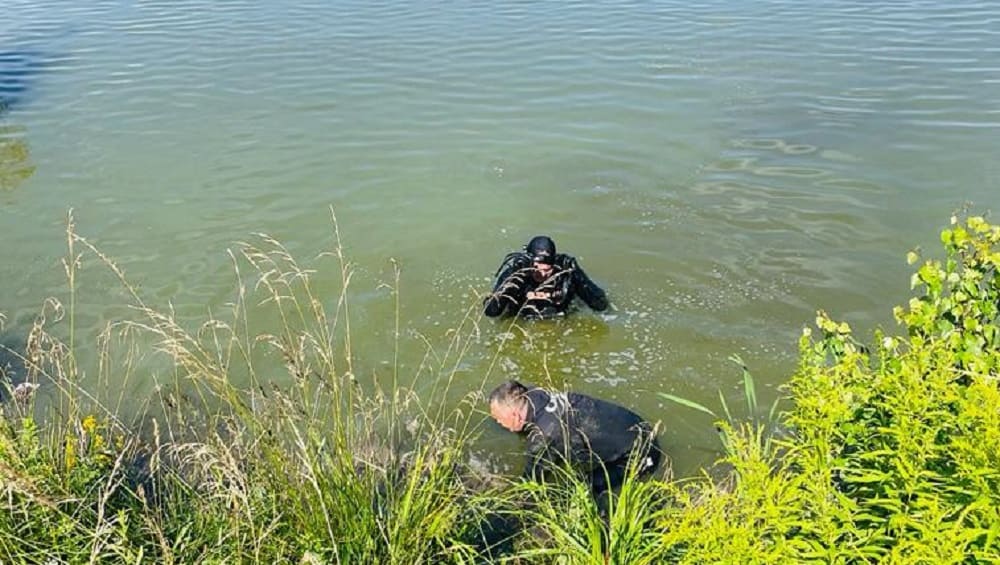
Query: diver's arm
x=494, y=305
x=538, y=457
x=588, y=290
x=507, y=286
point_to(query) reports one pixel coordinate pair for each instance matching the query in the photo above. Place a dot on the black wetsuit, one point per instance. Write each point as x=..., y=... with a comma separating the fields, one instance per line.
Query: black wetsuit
x=594, y=436
x=515, y=279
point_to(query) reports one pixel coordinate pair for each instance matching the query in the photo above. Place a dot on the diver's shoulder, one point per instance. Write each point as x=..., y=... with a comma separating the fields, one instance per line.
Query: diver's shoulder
x=565, y=260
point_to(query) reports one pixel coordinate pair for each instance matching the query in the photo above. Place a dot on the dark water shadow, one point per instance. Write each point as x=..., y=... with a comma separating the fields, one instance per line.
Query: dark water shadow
x=19, y=73
x=21, y=70
x=13, y=372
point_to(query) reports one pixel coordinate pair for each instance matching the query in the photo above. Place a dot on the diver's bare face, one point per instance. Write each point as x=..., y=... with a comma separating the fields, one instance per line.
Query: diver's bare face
x=509, y=416
x=542, y=271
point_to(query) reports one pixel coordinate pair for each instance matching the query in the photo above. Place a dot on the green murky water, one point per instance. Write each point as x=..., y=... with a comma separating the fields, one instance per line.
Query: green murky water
x=722, y=169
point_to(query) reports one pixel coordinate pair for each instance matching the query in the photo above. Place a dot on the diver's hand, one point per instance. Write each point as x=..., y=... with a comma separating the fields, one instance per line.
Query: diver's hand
x=533, y=295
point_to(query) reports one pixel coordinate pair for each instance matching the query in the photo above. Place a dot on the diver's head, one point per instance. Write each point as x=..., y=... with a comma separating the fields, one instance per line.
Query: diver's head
x=509, y=405
x=542, y=251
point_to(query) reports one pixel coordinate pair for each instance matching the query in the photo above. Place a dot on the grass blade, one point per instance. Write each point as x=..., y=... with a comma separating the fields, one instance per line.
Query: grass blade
x=688, y=403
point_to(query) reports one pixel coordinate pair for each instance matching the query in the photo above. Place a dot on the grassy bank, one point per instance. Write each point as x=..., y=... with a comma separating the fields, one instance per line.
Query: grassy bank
x=887, y=451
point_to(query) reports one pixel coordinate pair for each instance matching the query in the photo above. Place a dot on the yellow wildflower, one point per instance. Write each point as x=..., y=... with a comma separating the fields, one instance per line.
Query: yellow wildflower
x=89, y=424
x=69, y=454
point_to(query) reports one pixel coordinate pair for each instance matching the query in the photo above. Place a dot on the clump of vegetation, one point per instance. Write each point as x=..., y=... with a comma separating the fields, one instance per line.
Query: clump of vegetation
x=302, y=463
x=15, y=157
x=888, y=451
x=892, y=451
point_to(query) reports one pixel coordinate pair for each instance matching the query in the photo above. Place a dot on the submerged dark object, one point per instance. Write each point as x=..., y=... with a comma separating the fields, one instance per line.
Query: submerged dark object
x=19, y=70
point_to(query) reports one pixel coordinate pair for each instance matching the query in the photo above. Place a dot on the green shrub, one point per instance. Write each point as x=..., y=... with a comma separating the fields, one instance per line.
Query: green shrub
x=891, y=452
x=70, y=502
x=908, y=433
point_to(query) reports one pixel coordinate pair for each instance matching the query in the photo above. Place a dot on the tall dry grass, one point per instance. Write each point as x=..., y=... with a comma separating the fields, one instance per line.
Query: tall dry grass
x=258, y=446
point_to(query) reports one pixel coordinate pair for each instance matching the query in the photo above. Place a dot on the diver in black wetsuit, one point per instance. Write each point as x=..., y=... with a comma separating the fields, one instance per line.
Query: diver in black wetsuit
x=540, y=283
x=596, y=437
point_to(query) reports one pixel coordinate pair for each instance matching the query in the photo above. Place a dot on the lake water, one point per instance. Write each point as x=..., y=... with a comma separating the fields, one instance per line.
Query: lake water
x=724, y=169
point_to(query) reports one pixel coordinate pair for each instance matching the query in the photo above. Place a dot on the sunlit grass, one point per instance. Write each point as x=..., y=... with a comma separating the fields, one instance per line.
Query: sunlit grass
x=262, y=444
x=310, y=464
